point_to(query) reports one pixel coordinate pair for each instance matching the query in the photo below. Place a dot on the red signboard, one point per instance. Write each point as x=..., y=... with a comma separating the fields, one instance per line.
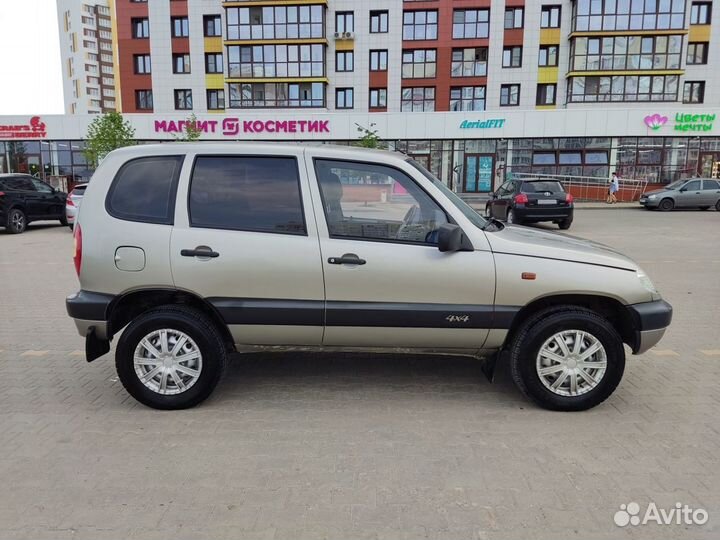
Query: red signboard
x=34, y=129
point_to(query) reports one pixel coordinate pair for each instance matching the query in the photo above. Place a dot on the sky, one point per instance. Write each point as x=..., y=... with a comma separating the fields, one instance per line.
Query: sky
x=30, y=70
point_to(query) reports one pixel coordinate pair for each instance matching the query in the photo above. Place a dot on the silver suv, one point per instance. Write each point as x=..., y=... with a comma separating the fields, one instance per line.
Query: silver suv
x=196, y=250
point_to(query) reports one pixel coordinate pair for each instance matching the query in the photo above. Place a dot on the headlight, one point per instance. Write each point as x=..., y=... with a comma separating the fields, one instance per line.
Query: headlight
x=646, y=282
x=652, y=196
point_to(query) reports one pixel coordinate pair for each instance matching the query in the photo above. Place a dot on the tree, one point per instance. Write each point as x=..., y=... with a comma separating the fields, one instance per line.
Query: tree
x=369, y=137
x=106, y=133
x=190, y=131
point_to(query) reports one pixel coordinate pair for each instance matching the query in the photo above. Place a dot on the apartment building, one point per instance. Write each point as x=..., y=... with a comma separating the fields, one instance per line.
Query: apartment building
x=87, y=55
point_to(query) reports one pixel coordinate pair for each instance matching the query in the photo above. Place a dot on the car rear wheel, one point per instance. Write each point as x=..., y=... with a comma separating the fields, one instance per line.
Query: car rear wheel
x=512, y=218
x=170, y=358
x=666, y=204
x=16, y=221
x=565, y=224
x=63, y=220
x=567, y=358
x=717, y=206
x=704, y=208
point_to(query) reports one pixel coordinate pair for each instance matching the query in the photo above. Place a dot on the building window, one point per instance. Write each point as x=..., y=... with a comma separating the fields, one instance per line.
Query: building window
x=546, y=94
x=344, y=61
x=344, y=22
x=378, y=60
x=595, y=15
x=471, y=23
x=215, y=100
x=418, y=99
x=623, y=88
x=514, y=17
x=625, y=53
x=512, y=57
x=279, y=22
x=420, y=25
x=419, y=64
x=694, y=92
x=276, y=60
x=509, y=95
x=180, y=26
x=212, y=25
x=378, y=98
x=378, y=22
x=213, y=63
x=700, y=12
x=550, y=17
x=470, y=62
x=697, y=53
x=344, y=98
x=140, y=28
x=181, y=63
x=548, y=56
x=142, y=64
x=276, y=95
x=143, y=100
x=183, y=100
x=467, y=98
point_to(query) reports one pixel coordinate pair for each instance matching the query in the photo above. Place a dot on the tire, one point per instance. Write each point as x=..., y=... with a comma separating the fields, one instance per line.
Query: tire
x=16, y=221
x=487, y=211
x=178, y=321
x=565, y=224
x=64, y=221
x=71, y=226
x=512, y=218
x=704, y=207
x=717, y=206
x=538, y=331
x=666, y=204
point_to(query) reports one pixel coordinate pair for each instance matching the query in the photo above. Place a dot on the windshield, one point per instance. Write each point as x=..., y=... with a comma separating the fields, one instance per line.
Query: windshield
x=461, y=205
x=676, y=184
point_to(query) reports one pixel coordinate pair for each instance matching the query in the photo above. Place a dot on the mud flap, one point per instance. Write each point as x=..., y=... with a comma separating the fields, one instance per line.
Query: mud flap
x=94, y=346
x=488, y=365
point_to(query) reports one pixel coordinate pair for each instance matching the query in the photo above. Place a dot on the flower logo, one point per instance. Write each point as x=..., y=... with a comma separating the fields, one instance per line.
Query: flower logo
x=655, y=121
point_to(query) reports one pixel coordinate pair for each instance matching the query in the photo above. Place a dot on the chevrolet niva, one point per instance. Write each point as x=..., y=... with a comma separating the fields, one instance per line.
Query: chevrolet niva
x=191, y=251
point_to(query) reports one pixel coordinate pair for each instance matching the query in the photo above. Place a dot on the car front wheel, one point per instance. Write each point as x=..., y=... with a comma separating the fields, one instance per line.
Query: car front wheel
x=170, y=358
x=567, y=358
x=666, y=204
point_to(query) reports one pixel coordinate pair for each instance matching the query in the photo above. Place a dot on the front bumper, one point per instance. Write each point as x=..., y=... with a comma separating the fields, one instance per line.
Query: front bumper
x=649, y=203
x=650, y=319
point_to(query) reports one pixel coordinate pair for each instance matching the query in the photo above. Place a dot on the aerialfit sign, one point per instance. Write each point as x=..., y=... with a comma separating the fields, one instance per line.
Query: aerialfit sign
x=683, y=121
x=34, y=129
x=483, y=124
x=230, y=126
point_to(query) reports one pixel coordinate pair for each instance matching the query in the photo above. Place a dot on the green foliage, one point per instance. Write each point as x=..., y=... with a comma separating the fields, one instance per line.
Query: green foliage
x=106, y=133
x=369, y=138
x=190, y=131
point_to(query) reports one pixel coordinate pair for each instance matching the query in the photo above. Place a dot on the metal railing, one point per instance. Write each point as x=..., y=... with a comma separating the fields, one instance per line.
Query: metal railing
x=590, y=188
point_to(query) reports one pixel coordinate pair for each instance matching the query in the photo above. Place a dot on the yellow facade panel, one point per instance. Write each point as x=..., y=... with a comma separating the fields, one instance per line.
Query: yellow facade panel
x=546, y=107
x=549, y=36
x=547, y=75
x=699, y=32
x=214, y=81
x=345, y=45
x=213, y=44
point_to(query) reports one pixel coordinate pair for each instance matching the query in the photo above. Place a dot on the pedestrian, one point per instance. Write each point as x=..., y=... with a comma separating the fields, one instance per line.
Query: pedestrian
x=613, y=188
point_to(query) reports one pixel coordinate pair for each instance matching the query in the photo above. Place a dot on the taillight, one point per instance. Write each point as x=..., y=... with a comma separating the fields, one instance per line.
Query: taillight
x=77, y=256
x=2, y=193
x=69, y=202
x=569, y=198
x=521, y=198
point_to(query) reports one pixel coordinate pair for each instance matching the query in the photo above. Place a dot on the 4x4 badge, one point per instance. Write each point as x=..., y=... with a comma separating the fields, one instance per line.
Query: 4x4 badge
x=458, y=318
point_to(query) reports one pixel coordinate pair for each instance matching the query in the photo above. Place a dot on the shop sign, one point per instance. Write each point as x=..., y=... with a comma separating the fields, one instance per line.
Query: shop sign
x=34, y=129
x=485, y=124
x=234, y=126
x=683, y=121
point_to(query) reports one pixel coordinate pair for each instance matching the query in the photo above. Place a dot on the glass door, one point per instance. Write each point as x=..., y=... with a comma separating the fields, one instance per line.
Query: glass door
x=705, y=165
x=478, y=175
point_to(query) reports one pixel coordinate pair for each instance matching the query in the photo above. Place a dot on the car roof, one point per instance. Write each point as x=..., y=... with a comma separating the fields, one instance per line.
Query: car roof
x=13, y=175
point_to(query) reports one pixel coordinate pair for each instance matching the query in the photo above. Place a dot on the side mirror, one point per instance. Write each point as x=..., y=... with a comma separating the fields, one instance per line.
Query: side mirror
x=683, y=189
x=450, y=237
x=492, y=195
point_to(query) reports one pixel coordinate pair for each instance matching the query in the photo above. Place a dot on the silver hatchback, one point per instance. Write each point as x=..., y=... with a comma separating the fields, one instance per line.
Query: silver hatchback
x=703, y=193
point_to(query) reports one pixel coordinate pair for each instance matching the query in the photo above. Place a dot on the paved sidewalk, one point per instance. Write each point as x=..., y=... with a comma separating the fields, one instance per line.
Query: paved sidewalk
x=301, y=446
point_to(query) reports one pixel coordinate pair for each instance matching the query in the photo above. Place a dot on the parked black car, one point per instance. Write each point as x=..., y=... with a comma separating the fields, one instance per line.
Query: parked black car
x=531, y=201
x=24, y=199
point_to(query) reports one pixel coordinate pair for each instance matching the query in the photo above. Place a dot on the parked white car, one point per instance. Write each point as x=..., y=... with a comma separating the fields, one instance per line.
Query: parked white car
x=246, y=246
x=72, y=204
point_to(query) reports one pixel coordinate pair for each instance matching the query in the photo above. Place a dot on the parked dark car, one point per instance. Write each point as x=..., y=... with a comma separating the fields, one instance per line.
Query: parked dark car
x=24, y=198
x=532, y=201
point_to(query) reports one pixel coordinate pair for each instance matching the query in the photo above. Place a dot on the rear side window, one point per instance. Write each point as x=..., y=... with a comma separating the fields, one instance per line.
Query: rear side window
x=247, y=193
x=144, y=190
x=711, y=184
x=18, y=183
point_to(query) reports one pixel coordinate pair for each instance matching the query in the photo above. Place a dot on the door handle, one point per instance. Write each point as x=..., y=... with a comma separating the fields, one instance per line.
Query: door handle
x=348, y=258
x=200, y=251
